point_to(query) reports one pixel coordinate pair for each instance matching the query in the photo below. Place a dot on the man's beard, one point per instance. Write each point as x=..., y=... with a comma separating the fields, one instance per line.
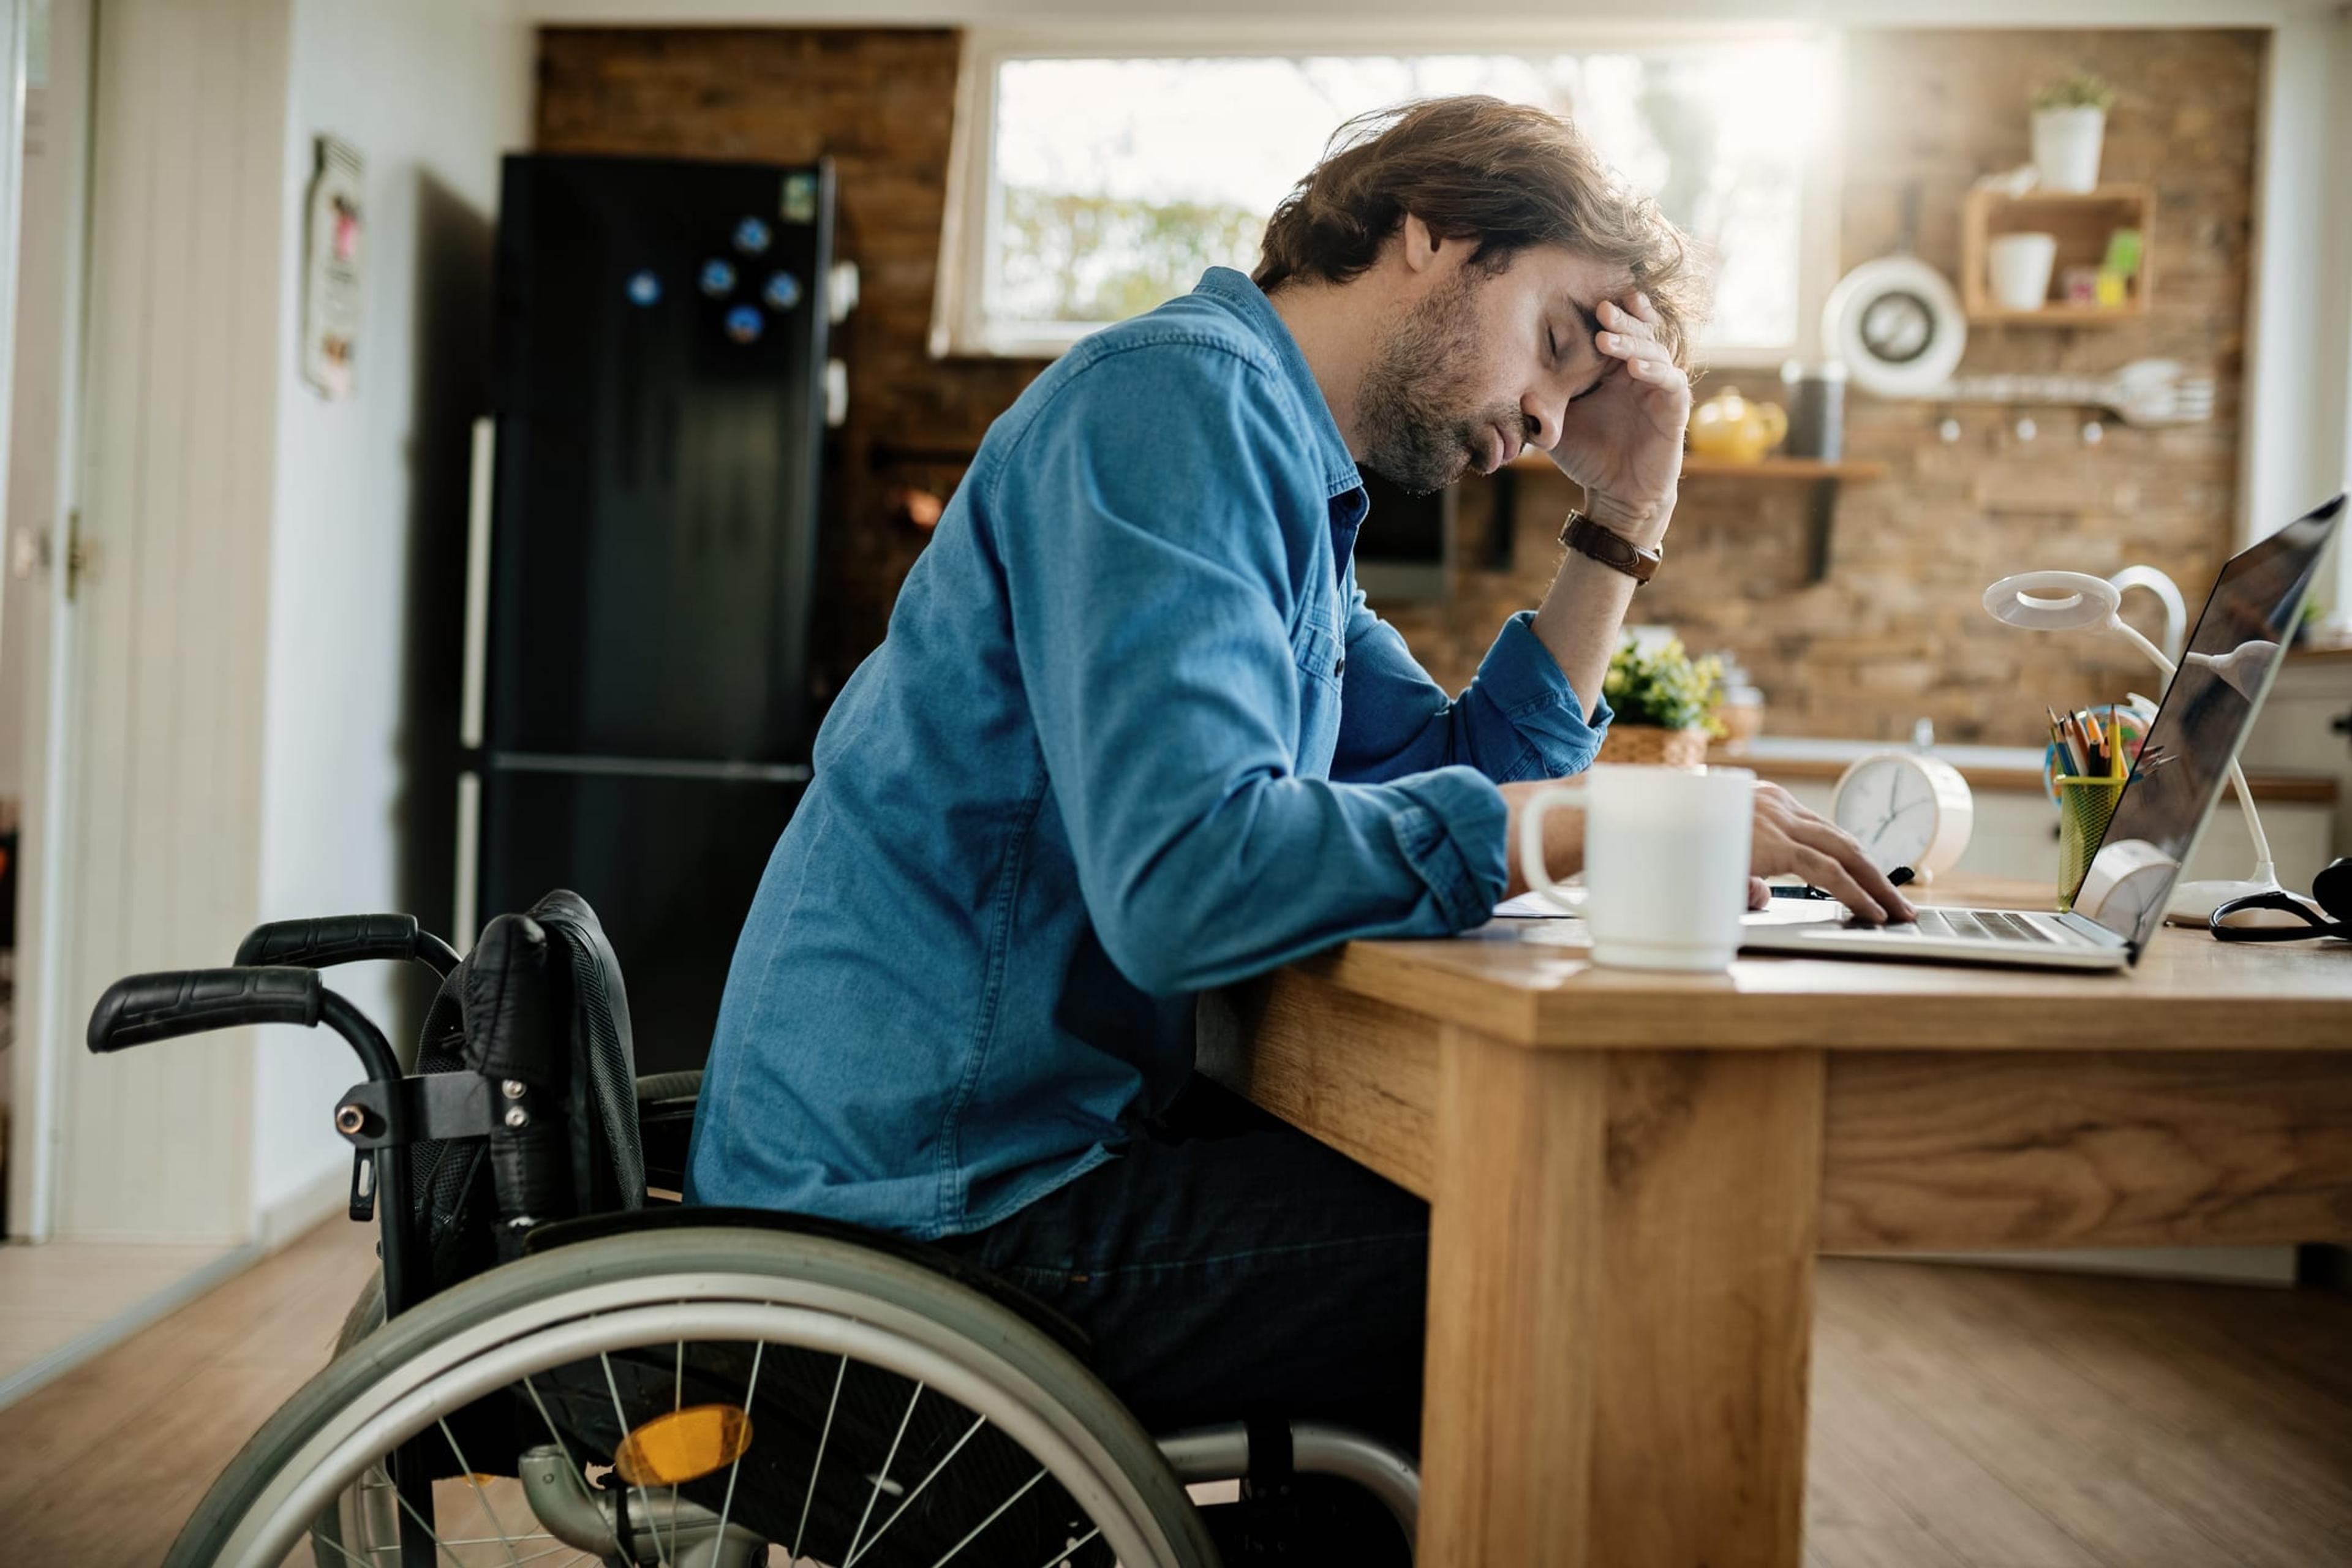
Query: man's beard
x=1418, y=433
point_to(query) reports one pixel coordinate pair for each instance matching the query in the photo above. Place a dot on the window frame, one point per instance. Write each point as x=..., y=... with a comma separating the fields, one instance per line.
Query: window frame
x=959, y=330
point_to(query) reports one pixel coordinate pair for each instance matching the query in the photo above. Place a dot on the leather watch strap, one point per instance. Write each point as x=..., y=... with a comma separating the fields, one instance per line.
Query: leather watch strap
x=1587, y=537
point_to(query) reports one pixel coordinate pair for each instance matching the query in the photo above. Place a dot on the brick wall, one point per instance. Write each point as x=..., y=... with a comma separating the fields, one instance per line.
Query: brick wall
x=1893, y=634
x=1898, y=632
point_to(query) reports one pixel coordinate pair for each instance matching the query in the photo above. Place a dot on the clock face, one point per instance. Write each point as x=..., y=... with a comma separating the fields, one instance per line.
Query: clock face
x=1890, y=807
x=1897, y=327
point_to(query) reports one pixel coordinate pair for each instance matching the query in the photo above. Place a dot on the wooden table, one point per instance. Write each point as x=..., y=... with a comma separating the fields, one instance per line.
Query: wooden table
x=1631, y=1176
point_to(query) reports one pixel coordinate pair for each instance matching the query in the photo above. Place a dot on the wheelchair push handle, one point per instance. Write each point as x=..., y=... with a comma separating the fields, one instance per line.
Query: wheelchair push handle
x=345, y=939
x=147, y=1008
x=143, y=1008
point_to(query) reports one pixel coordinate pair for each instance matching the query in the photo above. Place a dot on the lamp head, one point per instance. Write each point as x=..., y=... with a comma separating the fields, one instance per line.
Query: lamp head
x=2052, y=601
x=2243, y=667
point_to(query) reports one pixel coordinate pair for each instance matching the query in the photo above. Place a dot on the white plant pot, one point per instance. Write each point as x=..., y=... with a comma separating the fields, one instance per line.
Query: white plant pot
x=2020, y=266
x=2066, y=147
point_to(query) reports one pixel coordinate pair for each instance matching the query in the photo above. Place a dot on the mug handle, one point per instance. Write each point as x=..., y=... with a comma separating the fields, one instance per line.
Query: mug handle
x=1531, y=855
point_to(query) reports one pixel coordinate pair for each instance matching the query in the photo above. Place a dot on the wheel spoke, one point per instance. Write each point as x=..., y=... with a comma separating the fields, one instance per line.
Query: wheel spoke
x=426, y=1525
x=992, y=1518
x=1062, y=1559
x=348, y=1555
x=623, y=1417
x=750, y=1391
x=908, y=1500
x=561, y=1447
x=822, y=1437
x=882, y=1476
x=483, y=1497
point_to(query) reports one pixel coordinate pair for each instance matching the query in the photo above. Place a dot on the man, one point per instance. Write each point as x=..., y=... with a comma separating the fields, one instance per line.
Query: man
x=1133, y=733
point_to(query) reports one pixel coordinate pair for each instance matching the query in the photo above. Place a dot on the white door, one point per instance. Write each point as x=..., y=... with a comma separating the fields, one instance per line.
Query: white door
x=160, y=844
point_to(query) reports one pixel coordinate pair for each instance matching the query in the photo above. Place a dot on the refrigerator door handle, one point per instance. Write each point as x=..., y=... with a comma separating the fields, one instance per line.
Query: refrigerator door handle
x=477, y=584
x=465, y=918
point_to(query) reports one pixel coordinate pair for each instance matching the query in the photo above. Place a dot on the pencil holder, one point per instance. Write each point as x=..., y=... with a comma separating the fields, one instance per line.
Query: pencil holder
x=2084, y=804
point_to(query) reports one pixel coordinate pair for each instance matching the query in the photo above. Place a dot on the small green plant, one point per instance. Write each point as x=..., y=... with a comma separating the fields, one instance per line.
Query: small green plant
x=1665, y=687
x=2080, y=90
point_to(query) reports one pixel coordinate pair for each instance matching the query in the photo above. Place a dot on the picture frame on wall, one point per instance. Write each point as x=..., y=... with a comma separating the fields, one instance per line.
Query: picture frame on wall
x=333, y=247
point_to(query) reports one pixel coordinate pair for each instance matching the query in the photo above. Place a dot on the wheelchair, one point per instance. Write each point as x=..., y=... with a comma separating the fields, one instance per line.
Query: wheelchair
x=558, y=1362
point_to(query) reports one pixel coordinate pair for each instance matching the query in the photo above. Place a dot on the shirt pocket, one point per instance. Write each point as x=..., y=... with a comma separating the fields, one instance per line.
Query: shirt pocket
x=1322, y=661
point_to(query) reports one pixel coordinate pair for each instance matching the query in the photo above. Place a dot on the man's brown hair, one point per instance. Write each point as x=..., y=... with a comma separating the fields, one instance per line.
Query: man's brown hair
x=1502, y=175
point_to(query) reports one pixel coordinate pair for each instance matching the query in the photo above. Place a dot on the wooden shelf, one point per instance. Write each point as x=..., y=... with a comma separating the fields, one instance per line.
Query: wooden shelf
x=2082, y=221
x=1764, y=468
x=2055, y=314
x=1784, y=467
x=1825, y=475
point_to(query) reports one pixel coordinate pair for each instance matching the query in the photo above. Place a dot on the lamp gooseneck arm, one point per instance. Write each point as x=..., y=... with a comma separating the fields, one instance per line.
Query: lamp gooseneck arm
x=2265, y=871
x=2115, y=623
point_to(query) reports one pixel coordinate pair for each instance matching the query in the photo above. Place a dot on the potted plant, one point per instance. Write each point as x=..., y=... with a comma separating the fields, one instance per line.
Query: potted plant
x=1668, y=705
x=2069, y=121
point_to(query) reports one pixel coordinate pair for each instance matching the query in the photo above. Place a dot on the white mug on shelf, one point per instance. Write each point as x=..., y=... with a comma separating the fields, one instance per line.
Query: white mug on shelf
x=1665, y=862
x=2020, y=266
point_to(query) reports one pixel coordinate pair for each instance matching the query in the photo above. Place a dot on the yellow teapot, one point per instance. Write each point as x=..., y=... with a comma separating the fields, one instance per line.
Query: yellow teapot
x=1730, y=427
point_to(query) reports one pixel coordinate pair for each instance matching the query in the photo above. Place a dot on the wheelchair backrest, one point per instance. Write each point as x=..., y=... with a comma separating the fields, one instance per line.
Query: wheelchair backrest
x=539, y=1009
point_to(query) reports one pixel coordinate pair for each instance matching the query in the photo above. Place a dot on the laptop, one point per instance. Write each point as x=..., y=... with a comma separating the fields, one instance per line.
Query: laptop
x=2233, y=655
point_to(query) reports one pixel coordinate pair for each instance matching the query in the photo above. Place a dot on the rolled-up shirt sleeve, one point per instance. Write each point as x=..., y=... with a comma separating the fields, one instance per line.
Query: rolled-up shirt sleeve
x=1151, y=626
x=1517, y=719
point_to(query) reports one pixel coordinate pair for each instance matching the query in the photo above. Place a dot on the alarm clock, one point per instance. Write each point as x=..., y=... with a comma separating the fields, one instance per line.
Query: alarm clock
x=2124, y=885
x=1905, y=808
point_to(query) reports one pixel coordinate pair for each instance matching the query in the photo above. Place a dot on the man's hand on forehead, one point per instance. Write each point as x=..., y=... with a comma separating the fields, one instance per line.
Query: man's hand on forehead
x=1623, y=437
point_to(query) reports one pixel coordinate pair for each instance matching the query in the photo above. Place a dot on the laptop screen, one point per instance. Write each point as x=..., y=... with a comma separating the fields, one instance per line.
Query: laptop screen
x=2245, y=627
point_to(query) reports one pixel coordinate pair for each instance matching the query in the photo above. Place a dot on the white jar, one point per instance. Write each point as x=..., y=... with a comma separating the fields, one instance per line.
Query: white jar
x=2020, y=266
x=2067, y=145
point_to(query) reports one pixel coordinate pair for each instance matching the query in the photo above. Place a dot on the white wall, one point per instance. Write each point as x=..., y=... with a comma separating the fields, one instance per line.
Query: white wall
x=2299, y=338
x=369, y=521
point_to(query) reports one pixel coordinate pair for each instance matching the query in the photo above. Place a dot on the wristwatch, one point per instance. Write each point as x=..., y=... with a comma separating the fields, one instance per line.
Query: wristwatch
x=1587, y=537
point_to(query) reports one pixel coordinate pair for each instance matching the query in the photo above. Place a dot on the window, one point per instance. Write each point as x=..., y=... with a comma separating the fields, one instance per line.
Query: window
x=1093, y=184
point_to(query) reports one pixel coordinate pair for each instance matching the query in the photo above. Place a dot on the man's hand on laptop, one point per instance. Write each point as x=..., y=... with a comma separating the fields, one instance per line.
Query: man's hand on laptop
x=1786, y=840
x=1789, y=840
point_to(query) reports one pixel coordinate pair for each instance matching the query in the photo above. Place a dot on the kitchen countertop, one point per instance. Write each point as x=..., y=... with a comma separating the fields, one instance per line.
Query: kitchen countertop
x=1784, y=757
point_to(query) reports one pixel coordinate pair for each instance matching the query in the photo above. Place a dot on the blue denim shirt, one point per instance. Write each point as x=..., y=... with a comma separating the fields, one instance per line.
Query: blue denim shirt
x=1132, y=735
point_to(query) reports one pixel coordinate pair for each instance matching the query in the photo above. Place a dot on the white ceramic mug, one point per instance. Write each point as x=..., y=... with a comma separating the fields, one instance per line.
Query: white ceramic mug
x=1665, y=862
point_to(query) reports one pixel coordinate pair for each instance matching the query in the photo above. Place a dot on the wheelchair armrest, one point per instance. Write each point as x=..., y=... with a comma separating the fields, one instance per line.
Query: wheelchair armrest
x=668, y=1088
x=666, y=1125
x=344, y=939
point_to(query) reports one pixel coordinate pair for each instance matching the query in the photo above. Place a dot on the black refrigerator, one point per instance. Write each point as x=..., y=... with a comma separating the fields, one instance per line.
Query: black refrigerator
x=637, y=715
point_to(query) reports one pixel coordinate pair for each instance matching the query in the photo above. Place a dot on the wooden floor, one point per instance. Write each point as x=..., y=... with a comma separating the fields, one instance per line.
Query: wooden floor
x=1962, y=1418
x=56, y=1294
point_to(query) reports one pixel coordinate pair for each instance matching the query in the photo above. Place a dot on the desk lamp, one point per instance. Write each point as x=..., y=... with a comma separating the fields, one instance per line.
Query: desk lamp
x=2076, y=601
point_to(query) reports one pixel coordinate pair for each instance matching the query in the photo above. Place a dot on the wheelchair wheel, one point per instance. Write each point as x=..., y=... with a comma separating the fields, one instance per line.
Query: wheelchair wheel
x=706, y=1398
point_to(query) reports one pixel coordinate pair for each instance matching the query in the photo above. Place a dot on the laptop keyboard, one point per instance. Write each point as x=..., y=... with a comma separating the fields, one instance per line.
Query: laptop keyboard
x=1981, y=925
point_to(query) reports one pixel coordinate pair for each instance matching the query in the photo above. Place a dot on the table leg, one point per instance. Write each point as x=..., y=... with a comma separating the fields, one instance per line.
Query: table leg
x=1621, y=1307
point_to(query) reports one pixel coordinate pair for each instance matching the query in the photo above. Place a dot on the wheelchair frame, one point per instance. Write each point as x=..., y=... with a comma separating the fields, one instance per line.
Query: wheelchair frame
x=276, y=979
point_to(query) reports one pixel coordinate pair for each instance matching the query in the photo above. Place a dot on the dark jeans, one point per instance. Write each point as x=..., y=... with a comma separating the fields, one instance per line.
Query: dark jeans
x=1229, y=1266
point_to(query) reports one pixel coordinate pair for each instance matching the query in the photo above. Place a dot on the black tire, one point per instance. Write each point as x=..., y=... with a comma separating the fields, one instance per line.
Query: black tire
x=956, y=1321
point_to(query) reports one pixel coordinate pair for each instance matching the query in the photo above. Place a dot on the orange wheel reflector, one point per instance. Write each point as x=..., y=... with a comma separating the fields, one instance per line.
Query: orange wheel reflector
x=683, y=1445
